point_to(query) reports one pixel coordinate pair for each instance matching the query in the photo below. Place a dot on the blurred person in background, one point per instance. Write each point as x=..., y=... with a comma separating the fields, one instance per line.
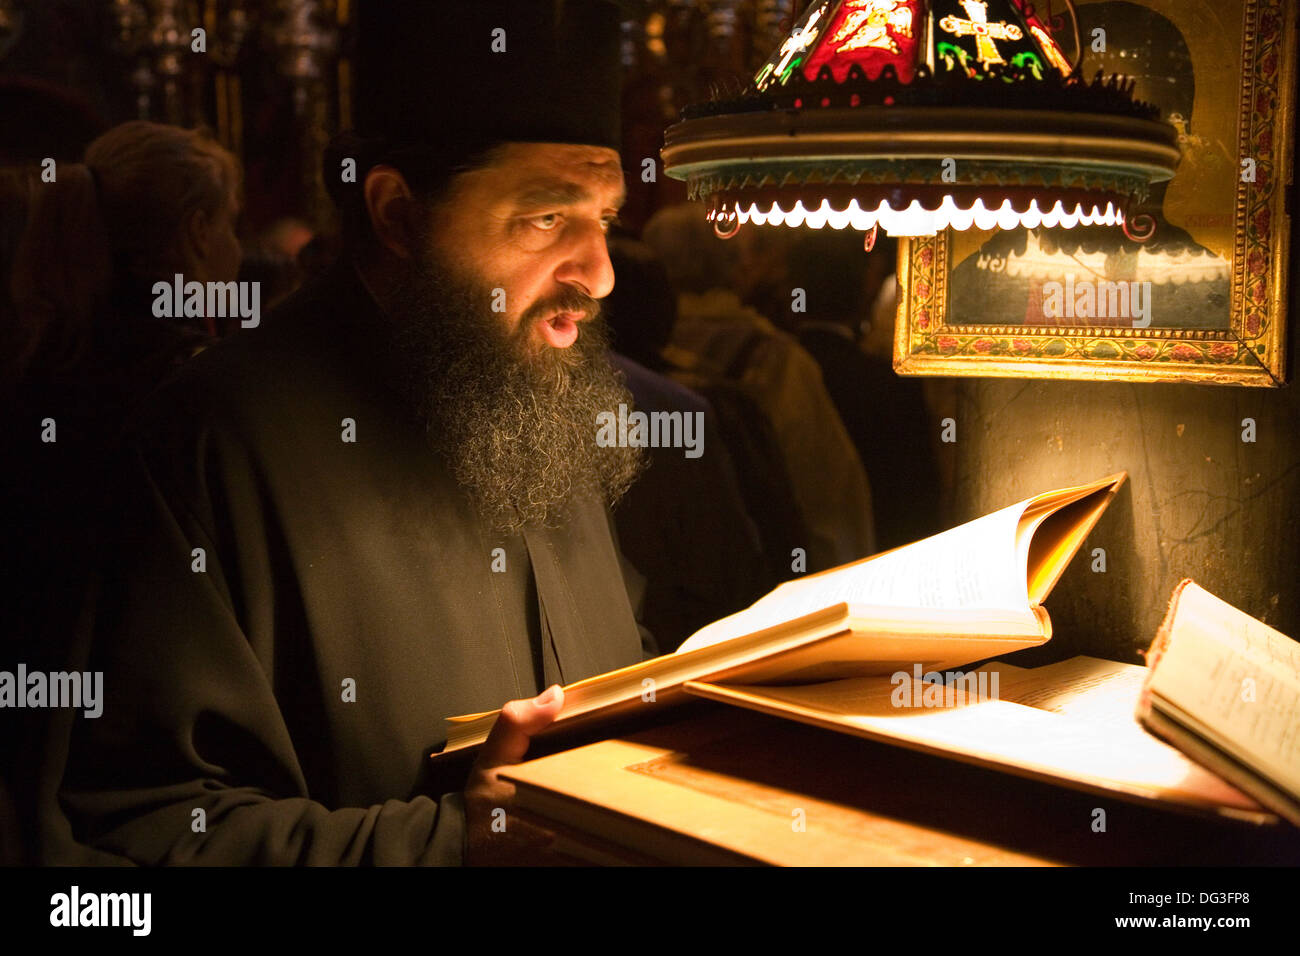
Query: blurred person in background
x=723, y=332
x=80, y=347
x=885, y=414
x=642, y=315
x=274, y=259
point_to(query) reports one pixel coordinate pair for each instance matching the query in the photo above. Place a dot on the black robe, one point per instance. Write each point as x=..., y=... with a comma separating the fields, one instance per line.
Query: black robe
x=329, y=565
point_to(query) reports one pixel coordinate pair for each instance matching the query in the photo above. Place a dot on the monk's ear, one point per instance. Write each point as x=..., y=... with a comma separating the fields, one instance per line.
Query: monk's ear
x=390, y=207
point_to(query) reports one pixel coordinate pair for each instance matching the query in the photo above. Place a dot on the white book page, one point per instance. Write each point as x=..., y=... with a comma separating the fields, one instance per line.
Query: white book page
x=1100, y=691
x=1074, y=720
x=975, y=565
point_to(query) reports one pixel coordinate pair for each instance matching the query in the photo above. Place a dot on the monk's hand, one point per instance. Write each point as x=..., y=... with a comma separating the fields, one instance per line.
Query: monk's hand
x=496, y=835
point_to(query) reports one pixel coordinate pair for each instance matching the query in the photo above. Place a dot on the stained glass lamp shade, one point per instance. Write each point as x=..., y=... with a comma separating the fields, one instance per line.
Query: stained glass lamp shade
x=918, y=115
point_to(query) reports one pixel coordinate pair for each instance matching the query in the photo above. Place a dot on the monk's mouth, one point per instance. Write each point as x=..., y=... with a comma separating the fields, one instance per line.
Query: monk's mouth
x=561, y=329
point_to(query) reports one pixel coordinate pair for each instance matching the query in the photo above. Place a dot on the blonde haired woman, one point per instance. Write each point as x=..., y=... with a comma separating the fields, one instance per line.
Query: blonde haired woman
x=149, y=201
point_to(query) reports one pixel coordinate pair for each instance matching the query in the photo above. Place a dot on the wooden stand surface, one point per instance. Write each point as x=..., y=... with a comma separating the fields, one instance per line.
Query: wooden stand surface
x=735, y=787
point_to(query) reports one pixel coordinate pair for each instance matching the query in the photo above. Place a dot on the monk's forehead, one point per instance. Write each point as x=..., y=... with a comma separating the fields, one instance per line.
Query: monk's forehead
x=597, y=165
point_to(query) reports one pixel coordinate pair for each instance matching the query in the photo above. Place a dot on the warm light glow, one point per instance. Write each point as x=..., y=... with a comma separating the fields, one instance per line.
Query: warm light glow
x=654, y=34
x=915, y=220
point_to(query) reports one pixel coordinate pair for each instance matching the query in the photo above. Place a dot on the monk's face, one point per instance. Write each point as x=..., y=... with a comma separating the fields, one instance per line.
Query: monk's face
x=498, y=341
x=532, y=226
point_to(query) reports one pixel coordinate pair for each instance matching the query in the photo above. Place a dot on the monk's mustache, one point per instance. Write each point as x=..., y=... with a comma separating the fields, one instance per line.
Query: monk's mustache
x=571, y=301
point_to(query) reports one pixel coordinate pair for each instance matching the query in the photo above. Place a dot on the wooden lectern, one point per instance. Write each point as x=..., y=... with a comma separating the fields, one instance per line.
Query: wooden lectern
x=736, y=787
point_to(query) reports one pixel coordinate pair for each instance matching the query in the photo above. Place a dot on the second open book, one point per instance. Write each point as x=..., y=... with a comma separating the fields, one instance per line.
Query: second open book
x=967, y=594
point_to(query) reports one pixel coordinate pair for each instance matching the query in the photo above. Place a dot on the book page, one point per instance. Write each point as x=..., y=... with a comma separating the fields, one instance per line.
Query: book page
x=974, y=565
x=1055, y=538
x=1072, y=721
x=1238, y=677
x=1099, y=691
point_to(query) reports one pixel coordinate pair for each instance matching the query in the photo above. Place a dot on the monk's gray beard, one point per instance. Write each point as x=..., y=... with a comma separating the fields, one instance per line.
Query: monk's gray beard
x=517, y=431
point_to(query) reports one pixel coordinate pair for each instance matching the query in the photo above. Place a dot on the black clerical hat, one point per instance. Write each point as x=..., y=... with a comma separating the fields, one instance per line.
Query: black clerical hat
x=470, y=73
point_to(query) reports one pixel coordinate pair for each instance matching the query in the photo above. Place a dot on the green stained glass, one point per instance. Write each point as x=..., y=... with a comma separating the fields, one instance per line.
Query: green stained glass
x=954, y=57
x=1027, y=59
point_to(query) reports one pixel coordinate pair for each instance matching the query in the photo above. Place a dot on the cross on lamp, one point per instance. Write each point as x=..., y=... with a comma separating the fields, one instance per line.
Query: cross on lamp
x=986, y=51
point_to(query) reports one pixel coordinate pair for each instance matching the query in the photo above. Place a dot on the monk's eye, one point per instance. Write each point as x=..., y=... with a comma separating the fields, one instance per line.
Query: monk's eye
x=545, y=222
x=608, y=222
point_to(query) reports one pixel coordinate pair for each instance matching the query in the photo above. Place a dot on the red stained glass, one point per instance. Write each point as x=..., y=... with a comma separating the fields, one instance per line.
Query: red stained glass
x=969, y=35
x=870, y=33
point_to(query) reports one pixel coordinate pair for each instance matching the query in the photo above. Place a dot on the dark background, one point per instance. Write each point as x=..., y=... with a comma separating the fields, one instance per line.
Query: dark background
x=1199, y=502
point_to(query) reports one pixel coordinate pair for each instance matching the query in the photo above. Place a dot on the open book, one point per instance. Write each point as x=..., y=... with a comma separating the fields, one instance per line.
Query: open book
x=1224, y=688
x=1070, y=723
x=968, y=594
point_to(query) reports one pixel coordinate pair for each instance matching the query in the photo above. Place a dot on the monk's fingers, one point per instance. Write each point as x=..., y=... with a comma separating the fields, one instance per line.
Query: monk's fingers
x=518, y=722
